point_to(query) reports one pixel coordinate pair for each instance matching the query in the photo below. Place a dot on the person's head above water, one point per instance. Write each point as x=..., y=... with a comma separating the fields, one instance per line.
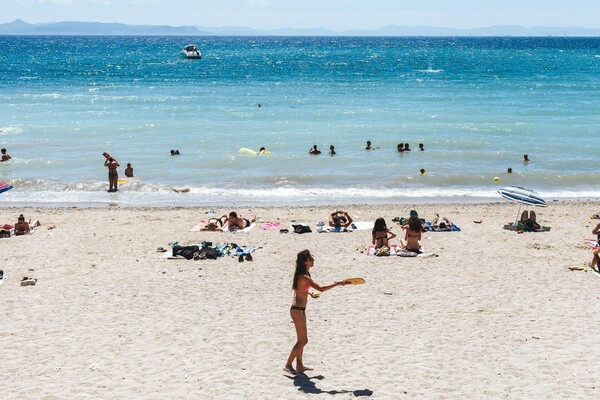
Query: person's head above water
x=262, y=149
x=509, y=170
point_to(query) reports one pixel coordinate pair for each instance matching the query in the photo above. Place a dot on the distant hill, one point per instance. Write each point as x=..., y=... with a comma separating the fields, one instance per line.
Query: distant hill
x=19, y=27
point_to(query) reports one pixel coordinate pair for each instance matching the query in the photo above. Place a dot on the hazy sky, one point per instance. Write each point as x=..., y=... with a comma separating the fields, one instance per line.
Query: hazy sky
x=333, y=14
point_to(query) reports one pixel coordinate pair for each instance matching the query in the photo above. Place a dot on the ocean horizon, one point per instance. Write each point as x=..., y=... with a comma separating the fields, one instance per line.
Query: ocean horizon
x=476, y=104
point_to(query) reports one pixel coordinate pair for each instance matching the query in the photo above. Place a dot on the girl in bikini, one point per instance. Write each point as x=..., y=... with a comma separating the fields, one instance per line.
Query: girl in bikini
x=216, y=223
x=412, y=236
x=381, y=234
x=301, y=285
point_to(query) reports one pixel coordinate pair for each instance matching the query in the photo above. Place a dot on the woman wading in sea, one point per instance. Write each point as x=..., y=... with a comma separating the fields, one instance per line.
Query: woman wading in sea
x=302, y=283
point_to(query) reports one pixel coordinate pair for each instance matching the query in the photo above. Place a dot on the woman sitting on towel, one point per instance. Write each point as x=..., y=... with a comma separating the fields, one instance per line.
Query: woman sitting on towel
x=596, y=258
x=22, y=227
x=412, y=236
x=216, y=223
x=236, y=223
x=381, y=234
x=443, y=224
x=301, y=285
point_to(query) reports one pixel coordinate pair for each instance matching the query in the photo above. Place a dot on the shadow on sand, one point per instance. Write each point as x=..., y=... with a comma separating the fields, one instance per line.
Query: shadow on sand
x=305, y=384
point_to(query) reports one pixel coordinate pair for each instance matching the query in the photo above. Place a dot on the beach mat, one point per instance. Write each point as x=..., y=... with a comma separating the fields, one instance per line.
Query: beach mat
x=363, y=225
x=271, y=226
x=454, y=228
x=332, y=229
x=412, y=254
x=246, y=229
x=371, y=250
x=511, y=227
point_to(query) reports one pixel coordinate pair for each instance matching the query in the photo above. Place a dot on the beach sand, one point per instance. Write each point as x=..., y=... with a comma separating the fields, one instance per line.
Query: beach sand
x=496, y=314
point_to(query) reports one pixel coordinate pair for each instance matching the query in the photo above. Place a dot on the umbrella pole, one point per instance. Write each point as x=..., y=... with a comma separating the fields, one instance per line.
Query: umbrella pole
x=518, y=212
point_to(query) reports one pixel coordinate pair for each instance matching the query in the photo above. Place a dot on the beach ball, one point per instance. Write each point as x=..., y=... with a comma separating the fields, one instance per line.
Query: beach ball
x=496, y=179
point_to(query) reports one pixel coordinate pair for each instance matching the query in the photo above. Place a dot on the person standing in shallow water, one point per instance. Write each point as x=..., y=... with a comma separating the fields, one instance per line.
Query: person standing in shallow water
x=301, y=284
x=113, y=176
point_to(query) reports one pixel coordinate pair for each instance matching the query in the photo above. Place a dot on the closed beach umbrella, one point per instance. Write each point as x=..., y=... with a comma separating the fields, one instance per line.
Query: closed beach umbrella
x=4, y=187
x=522, y=196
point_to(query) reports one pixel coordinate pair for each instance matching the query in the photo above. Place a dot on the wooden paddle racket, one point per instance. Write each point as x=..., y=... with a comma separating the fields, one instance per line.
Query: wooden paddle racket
x=354, y=281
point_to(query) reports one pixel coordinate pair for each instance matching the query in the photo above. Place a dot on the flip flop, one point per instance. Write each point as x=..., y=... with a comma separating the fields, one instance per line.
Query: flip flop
x=161, y=250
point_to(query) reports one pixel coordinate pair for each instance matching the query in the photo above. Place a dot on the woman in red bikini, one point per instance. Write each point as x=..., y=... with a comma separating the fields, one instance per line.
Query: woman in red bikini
x=302, y=283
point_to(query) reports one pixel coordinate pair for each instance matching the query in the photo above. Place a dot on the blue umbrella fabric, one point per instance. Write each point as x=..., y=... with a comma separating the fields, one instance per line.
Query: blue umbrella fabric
x=522, y=195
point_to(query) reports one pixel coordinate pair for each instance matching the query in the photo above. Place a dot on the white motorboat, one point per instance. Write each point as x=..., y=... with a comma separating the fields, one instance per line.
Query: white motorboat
x=191, y=51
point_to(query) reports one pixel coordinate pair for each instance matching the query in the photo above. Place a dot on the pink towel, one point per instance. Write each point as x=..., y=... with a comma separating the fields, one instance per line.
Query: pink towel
x=272, y=226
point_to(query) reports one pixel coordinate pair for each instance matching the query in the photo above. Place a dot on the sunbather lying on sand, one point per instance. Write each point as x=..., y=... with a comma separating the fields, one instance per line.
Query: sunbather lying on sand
x=443, y=223
x=528, y=219
x=22, y=227
x=340, y=218
x=234, y=222
x=215, y=224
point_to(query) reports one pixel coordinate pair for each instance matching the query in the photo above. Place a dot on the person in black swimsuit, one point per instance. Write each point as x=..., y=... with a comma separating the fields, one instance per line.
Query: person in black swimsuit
x=594, y=264
x=301, y=285
x=381, y=234
x=113, y=176
x=412, y=236
x=235, y=223
x=216, y=223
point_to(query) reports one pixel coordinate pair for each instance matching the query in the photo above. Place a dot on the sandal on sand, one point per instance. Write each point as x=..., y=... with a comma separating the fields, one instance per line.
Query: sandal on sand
x=248, y=257
x=241, y=258
x=28, y=281
x=290, y=370
x=478, y=221
x=161, y=250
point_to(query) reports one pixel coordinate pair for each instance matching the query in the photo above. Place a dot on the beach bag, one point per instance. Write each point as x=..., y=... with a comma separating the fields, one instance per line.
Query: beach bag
x=4, y=233
x=382, y=251
x=185, y=251
x=302, y=228
x=209, y=253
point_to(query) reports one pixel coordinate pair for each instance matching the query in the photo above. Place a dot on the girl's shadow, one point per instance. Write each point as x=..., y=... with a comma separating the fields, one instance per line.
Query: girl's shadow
x=305, y=384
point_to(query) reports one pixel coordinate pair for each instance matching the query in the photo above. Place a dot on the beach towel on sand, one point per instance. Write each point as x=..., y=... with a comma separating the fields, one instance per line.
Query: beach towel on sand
x=511, y=227
x=246, y=229
x=454, y=228
x=333, y=229
x=363, y=225
x=271, y=226
x=372, y=252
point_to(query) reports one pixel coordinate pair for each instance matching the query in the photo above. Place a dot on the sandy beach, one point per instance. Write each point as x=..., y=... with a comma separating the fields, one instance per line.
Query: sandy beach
x=495, y=314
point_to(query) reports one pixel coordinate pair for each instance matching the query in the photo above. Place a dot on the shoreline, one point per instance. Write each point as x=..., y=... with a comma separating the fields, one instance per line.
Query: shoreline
x=400, y=202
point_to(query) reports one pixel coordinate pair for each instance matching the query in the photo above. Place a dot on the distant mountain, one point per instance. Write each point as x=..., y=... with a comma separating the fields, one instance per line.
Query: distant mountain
x=19, y=27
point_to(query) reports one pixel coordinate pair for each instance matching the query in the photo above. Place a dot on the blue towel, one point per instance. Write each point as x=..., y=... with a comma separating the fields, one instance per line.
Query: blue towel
x=432, y=229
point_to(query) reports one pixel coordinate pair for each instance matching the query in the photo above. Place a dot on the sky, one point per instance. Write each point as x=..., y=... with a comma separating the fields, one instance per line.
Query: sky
x=337, y=15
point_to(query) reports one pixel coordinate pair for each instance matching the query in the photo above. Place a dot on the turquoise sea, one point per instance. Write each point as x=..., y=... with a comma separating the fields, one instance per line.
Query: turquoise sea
x=477, y=105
